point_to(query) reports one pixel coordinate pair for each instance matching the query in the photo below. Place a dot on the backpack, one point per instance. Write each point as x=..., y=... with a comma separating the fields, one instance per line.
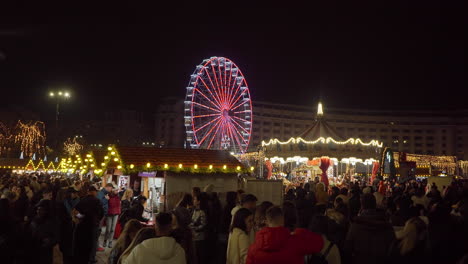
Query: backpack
x=318, y=258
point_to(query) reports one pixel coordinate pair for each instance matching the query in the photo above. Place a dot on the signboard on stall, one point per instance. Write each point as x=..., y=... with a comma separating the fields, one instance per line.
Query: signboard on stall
x=124, y=181
x=149, y=174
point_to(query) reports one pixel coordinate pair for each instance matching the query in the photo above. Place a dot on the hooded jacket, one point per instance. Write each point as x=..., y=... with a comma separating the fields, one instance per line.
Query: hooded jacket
x=369, y=238
x=161, y=250
x=276, y=245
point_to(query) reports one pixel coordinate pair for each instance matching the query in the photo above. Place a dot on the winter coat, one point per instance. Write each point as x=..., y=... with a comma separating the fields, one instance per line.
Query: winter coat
x=104, y=202
x=114, y=205
x=70, y=204
x=276, y=245
x=369, y=238
x=183, y=215
x=125, y=205
x=238, y=247
x=163, y=250
x=183, y=236
x=198, y=224
x=92, y=210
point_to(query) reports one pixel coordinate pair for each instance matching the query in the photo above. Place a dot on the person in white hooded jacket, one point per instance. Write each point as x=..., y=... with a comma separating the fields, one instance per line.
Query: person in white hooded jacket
x=162, y=249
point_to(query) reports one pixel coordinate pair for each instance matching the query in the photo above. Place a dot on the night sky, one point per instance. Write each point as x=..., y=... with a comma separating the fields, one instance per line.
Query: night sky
x=350, y=55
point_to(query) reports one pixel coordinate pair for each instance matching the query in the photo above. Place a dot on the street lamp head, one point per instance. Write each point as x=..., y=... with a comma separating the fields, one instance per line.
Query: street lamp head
x=67, y=95
x=51, y=94
x=60, y=93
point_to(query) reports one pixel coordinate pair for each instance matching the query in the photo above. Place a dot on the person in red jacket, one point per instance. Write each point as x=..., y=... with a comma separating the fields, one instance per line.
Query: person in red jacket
x=275, y=244
x=112, y=217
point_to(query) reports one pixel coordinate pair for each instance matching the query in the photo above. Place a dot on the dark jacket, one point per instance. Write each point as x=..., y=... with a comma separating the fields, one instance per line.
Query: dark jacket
x=369, y=238
x=44, y=236
x=418, y=255
x=104, y=202
x=125, y=205
x=92, y=210
x=136, y=212
x=275, y=245
x=70, y=204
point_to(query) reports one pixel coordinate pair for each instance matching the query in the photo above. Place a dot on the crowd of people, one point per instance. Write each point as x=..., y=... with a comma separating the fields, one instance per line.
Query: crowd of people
x=42, y=217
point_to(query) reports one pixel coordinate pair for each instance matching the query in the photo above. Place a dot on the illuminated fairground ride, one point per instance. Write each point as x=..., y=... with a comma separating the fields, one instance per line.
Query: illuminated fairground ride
x=218, y=109
x=321, y=151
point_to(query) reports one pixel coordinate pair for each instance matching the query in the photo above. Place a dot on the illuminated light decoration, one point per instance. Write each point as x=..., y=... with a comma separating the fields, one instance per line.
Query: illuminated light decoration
x=109, y=148
x=180, y=166
x=224, y=167
x=166, y=166
x=218, y=109
x=113, y=153
x=92, y=165
x=322, y=140
x=132, y=166
x=116, y=159
x=72, y=147
x=31, y=137
x=252, y=168
x=211, y=167
x=119, y=167
x=106, y=157
x=238, y=168
x=195, y=166
x=88, y=155
x=90, y=160
x=148, y=165
x=5, y=136
x=86, y=160
x=319, y=109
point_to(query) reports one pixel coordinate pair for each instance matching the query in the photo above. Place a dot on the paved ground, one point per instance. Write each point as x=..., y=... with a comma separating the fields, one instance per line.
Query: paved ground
x=102, y=257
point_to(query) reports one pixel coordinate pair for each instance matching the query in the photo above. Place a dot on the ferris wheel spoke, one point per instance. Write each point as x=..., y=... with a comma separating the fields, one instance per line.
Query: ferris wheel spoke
x=207, y=124
x=223, y=91
x=213, y=71
x=241, y=127
x=206, y=97
x=209, y=90
x=236, y=88
x=243, y=111
x=237, y=106
x=241, y=119
x=213, y=86
x=207, y=107
x=233, y=135
x=214, y=136
x=200, y=116
x=209, y=132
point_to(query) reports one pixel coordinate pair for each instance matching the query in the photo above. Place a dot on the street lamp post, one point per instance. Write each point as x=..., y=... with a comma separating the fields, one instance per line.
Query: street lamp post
x=58, y=96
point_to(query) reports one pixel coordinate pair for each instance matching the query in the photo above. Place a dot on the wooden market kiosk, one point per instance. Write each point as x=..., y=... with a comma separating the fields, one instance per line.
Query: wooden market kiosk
x=166, y=174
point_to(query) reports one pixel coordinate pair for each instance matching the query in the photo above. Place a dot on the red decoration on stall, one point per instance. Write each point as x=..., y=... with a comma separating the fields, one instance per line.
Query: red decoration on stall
x=324, y=164
x=269, y=167
x=375, y=169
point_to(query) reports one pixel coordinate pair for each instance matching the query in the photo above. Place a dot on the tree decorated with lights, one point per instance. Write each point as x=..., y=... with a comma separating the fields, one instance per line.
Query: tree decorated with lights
x=5, y=137
x=31, y=137
x=72, y=147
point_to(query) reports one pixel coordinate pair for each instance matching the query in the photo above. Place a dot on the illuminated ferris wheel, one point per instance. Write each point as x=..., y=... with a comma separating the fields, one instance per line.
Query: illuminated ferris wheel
x=218, y=109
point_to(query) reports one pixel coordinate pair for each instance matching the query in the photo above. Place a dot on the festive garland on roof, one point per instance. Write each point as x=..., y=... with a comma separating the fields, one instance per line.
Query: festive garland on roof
x=322, y=140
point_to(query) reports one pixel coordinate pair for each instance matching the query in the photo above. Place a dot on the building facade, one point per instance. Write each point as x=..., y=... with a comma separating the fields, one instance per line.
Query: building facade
x=419, y=132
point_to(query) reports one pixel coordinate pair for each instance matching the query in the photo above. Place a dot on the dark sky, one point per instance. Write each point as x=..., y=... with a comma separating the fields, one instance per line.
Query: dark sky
x=349, y=54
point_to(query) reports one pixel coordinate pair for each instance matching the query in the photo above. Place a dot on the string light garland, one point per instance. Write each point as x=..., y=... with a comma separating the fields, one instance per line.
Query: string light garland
x=322, y=140
x=72, y=147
